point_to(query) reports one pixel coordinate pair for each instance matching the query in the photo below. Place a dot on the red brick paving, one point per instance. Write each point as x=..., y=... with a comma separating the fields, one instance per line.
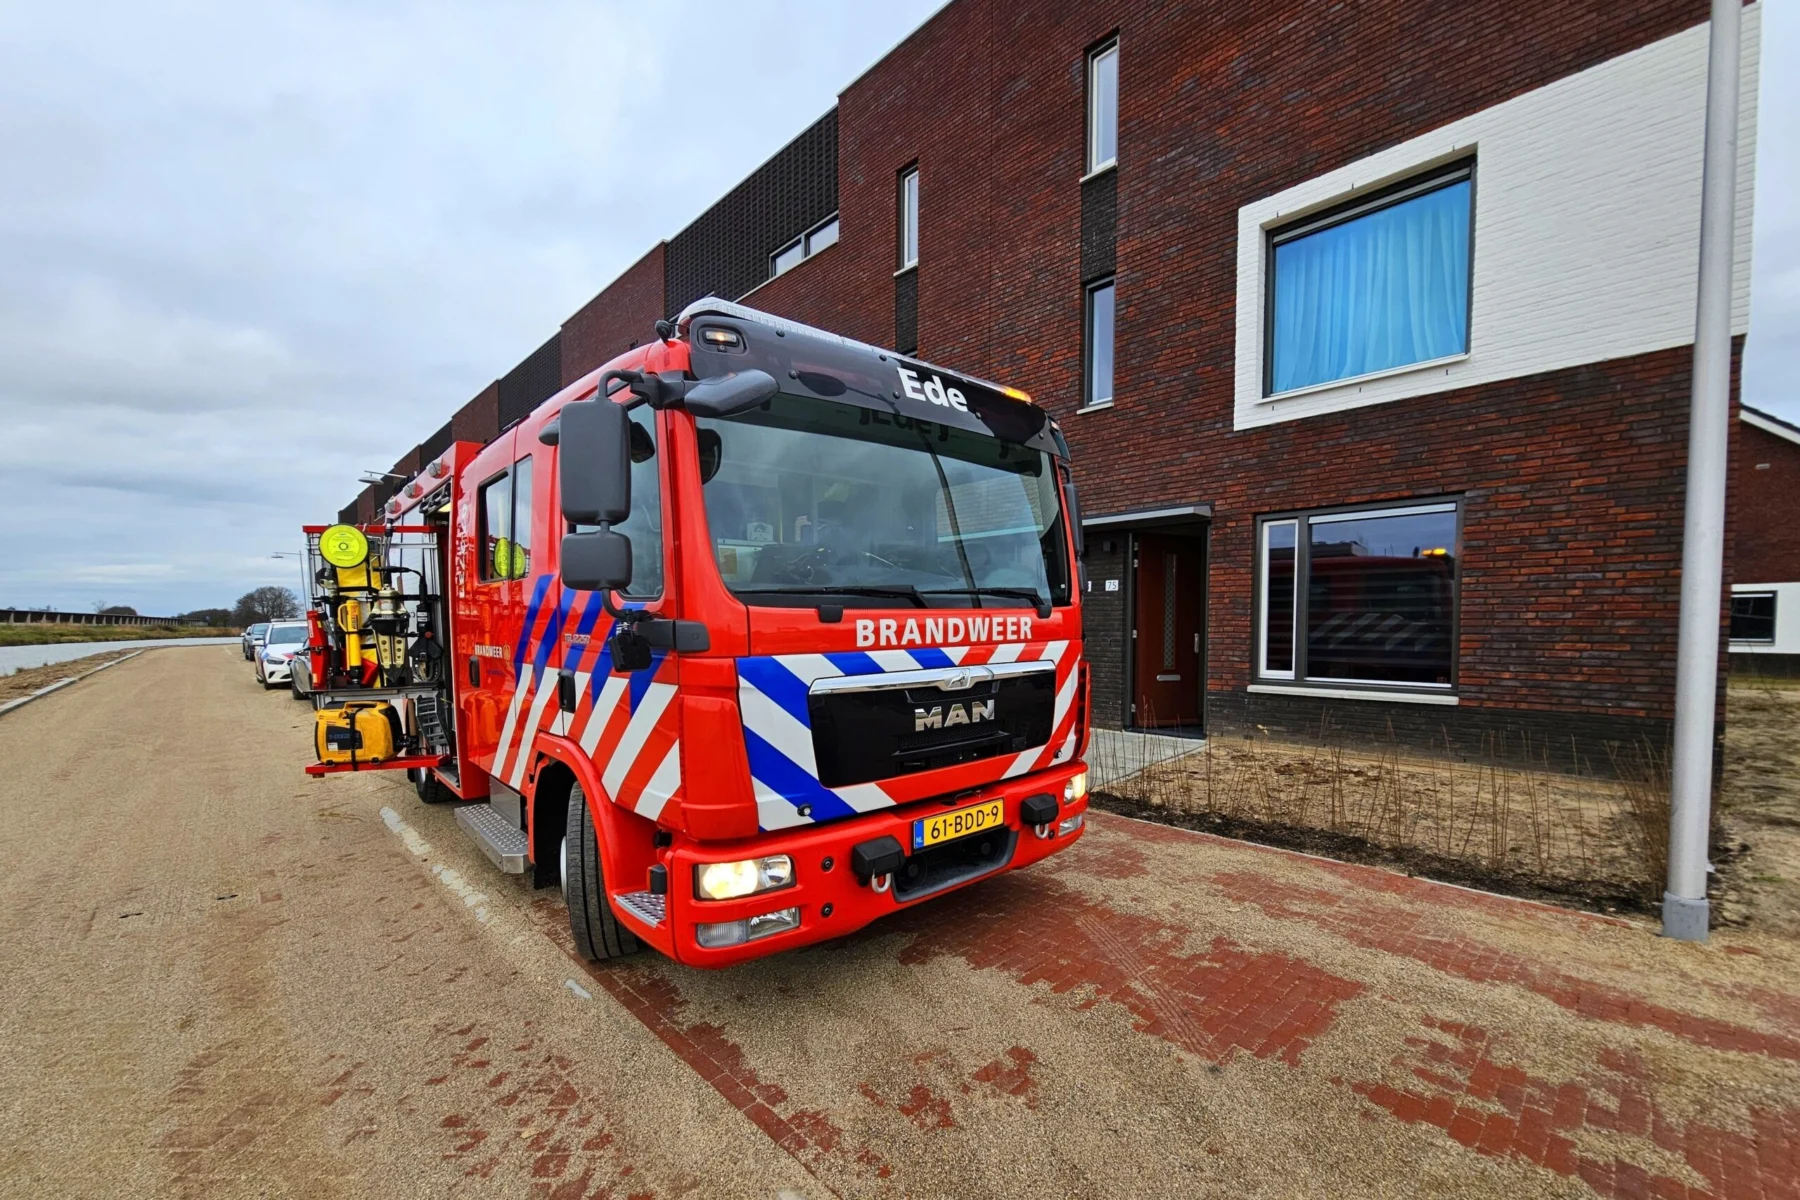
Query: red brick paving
x=1413, y=935
x=1214, y=1003
x=1464, y=1087
x=1222, y=999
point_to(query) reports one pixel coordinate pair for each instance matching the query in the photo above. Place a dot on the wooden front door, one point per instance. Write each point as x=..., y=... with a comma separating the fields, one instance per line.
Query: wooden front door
x=1171, y=588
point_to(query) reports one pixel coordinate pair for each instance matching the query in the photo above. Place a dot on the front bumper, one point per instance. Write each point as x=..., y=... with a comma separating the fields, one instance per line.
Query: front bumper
x=277, y=672
x=831, y=899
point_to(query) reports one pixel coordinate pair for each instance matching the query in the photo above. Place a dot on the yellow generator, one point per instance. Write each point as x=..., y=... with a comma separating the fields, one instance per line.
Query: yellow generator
x=360, y=731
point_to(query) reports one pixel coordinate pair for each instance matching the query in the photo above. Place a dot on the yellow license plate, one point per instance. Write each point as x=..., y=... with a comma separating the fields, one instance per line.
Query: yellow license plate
x=958, y=822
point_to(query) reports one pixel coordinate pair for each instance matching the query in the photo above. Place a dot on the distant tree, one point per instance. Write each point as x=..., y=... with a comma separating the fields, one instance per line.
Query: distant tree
x=206, y=616
x=265, y=604
x=118, y=610
x=100, y=606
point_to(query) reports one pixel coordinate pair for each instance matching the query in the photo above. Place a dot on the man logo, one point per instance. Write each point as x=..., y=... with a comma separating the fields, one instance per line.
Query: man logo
x=937, y=717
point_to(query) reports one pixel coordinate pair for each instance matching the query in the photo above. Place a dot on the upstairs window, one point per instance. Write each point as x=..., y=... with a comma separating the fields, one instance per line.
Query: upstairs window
x=909, y=218
x=803, y=248
x=1381, y=284
x=1097, y=386
x=1753, y=617
x=1103, y=107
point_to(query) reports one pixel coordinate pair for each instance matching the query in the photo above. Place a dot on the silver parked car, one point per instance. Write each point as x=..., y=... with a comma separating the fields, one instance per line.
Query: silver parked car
x=253, y=637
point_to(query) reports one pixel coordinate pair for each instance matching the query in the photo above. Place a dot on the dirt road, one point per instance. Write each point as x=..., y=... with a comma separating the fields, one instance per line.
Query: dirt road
x=220, y=978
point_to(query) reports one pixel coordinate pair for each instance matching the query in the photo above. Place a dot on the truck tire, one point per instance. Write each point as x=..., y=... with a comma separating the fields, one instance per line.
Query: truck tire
x=430, y=788
x=598, y=934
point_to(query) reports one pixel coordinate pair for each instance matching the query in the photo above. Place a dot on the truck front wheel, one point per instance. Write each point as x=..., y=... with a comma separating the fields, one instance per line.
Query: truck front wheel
x=598, y=934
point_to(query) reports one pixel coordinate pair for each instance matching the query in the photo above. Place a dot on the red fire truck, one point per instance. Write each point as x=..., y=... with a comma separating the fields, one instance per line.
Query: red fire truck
x=748, y=638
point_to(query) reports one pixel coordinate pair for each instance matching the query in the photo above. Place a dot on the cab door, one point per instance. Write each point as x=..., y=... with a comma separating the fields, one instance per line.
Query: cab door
x=490, y=608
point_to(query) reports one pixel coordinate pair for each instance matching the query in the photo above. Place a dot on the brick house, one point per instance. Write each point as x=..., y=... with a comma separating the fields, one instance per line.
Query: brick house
x=1765, y=512
x=1376, y=379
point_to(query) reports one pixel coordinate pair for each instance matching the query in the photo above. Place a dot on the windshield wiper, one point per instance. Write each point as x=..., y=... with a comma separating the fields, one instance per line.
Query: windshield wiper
x=1038, y=600
x=904, y=592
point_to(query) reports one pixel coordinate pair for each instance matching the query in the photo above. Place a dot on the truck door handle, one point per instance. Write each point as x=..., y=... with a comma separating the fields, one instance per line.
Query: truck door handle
x=474, y=671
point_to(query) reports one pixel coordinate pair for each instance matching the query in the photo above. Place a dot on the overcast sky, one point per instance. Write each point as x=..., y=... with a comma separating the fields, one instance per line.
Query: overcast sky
x=249, y=250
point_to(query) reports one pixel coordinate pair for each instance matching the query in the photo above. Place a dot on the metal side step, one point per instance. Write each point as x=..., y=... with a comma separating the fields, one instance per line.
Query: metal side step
x=499, y=839
x=647, y=907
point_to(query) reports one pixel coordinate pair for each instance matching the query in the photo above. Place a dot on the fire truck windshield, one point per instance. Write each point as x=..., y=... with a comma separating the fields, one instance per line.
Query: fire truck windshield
x=809, y=498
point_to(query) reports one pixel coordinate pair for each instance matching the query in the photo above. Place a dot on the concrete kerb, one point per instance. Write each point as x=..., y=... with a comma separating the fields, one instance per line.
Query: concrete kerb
x=22, y=701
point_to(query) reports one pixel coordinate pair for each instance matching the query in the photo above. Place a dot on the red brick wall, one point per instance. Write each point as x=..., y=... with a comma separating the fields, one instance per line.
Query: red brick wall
x=1765, y=507
x=1573, y=480
x=621, y=317
x=479, y=419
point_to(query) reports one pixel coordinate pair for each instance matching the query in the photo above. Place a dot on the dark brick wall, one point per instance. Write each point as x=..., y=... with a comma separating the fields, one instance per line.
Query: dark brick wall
x=406, y=466
x=436, y=444
x=1105, y=624
x=622, y=317
x=1099, y=226
x=479, y=419
x=1765, y=507
x=726, y=250
x=537, y=378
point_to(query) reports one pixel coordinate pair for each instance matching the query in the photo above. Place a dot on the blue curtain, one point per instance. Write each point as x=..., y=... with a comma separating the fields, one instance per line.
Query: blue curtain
x=1382, y=290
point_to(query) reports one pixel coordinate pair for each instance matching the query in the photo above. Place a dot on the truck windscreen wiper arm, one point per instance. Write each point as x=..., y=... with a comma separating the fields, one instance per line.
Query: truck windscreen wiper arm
x=905, y=593
x=1037, y=599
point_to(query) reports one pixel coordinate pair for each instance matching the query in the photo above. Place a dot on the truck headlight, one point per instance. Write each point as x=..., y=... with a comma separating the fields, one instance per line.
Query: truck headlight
x=746, y=877
x=1076, y=788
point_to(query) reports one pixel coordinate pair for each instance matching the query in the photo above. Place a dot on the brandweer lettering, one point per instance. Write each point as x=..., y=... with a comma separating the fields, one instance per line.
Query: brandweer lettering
x=941, y=631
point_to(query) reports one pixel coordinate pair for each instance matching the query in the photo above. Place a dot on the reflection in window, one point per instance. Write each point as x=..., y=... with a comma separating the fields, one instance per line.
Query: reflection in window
x=1379, y=590
x=520, y=566
x=1278, y=599
x=1098, y=387
x=1379, y=287
x=1103, y=107
x=1753, y=617
x=493, y=512
x=909, y=218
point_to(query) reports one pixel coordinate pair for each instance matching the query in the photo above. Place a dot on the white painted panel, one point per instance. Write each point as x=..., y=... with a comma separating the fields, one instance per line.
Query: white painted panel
x=1587, y=215
x=1787, y=619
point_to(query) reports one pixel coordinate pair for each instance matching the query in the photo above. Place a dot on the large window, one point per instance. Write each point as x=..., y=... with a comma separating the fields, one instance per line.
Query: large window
x=909, y=217
x=645, y=524
x=1103, y=107
x=1753, y=617
x=1097, y=385
x=1366, y=596
x=1380, y=285
x=808, y=498
x=803, y=248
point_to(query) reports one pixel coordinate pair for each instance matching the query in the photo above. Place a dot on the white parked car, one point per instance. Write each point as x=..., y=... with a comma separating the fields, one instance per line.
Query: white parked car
x=275, y=658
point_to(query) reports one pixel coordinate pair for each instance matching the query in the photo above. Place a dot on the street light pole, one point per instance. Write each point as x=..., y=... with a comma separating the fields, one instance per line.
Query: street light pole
x=1685, y=909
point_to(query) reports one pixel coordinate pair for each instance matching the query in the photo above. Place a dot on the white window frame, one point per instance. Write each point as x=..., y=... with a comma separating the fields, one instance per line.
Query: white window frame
x=1326, y=684
x=1774, y=596
x=1262, y=601
x=1108, y=50
x=908, y=198
x=805, y=244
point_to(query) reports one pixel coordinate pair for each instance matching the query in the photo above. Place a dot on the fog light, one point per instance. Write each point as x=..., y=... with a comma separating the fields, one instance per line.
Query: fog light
x=735, y=933
x=730, y=880
x=1076, y=788
x=1071, y=824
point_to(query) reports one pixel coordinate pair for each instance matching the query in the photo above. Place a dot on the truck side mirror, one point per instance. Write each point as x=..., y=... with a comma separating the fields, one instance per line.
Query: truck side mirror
x=728, y=395
x=597, y=561
x=593, y=462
